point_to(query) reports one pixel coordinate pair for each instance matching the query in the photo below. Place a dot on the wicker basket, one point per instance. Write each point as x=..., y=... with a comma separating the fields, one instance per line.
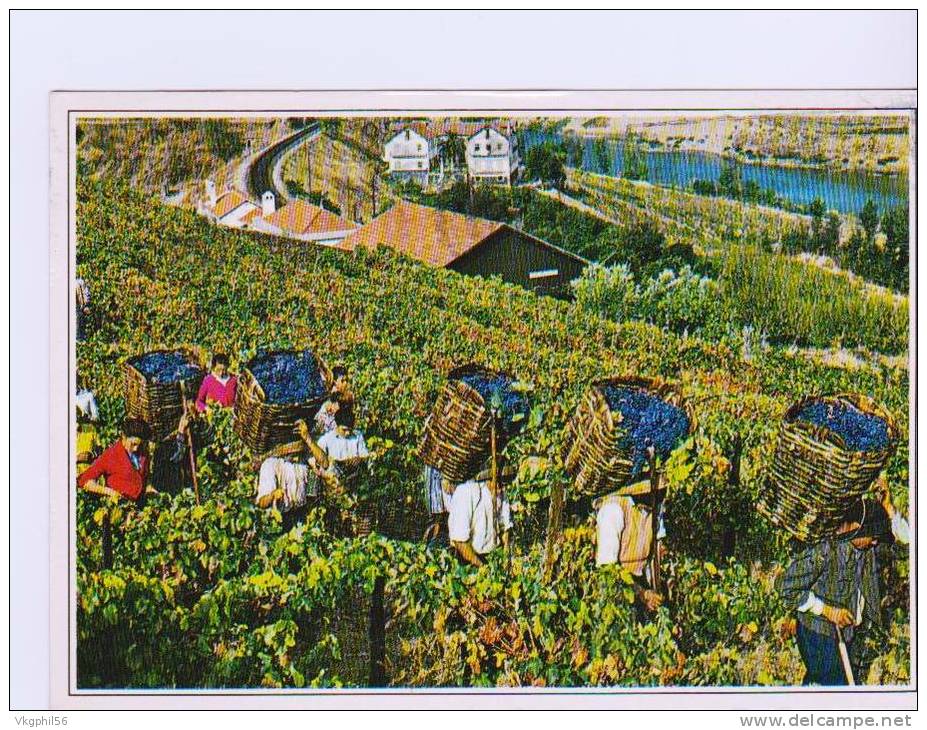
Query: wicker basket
x=456, y=439
x=813, y=479
x=593, y=454
x=262, y=425
x=160, y=405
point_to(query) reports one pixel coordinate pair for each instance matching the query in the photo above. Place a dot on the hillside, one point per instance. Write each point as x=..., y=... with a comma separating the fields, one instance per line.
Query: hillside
x=342, y=173
x=217, y=595
x=160, y=155
x=838, y=142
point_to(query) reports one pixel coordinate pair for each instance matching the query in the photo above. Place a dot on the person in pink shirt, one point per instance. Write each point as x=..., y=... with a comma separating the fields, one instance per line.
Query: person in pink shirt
x=219, y=386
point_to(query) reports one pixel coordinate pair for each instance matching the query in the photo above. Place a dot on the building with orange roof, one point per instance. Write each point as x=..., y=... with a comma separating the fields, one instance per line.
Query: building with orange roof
x=304, y=221
x=470, y=245
x=232, y=208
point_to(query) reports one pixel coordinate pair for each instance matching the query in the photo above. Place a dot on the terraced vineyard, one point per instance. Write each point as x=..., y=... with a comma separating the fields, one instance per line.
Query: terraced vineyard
x=791, y=299
x=219, y=595
x=152, y=153
x=342, y=173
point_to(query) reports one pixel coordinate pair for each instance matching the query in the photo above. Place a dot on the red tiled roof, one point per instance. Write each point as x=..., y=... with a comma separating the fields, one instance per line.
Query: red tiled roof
x=228, y=201
x=441, y=127
x=436, y=237
x=300, y=217
x=251, y=215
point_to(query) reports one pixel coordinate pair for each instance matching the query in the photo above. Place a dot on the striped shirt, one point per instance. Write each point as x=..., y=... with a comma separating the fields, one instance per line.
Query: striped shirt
x=835, y=573
x=624, y=532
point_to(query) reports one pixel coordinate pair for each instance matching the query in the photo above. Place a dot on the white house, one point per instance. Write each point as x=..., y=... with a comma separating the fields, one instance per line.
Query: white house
x=407, y=151
x=493, y=156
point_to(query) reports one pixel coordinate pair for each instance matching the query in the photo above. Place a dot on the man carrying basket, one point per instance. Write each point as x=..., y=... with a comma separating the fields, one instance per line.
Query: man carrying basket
x=833, y=586
x=479, y=518
x=624, y=535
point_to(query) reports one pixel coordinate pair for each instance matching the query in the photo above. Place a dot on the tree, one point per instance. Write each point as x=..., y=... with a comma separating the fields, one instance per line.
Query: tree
x=795, y=240
x=830, y=235
x=704, y=187
x=222, y=139
x=729, y=183
x=316, y=197
x=642, y=243
x=869, y=218
x=634, y=162
x=895, y=227
x=603, y=158
x=575, y=150
x=816, y=210
x=856, y=250
x=545, y=162
x=454, y=151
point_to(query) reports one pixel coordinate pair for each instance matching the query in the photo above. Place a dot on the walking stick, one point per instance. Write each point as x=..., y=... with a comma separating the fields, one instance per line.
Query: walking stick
x=845, y=657
x=654, y=521
x=495, y=488
x=196, y=487
x=107, y=540
x=554, y=514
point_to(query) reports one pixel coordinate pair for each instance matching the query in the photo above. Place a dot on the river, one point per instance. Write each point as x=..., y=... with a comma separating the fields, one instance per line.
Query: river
x=845, y=192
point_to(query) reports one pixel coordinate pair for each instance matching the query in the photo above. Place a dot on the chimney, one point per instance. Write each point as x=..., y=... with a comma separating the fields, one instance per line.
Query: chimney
x=268, y=203
x=211, y=193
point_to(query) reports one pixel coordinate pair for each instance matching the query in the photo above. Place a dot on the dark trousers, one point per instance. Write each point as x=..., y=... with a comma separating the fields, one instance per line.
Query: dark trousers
x=821, y=657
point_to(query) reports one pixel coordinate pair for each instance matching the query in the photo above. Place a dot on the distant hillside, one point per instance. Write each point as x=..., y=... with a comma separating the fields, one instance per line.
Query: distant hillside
x=158, y=155
x=875, y=144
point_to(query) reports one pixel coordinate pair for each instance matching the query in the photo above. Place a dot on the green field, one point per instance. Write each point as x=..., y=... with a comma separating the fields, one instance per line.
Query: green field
x=218, y=595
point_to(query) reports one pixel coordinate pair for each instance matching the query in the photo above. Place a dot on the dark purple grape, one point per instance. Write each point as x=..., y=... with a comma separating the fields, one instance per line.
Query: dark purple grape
x=289, y=377
x=646, y=421
x=165, y=367
x=514, y=405
x=860, y=431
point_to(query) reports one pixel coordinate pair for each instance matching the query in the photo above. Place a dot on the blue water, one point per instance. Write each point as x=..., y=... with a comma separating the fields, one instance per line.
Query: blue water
x=845, y=192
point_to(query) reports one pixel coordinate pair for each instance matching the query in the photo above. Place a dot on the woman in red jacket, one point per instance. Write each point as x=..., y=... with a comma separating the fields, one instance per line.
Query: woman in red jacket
x=123, y=467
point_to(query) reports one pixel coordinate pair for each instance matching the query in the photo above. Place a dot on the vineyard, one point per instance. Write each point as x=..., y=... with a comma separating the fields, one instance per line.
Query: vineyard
x=224, y=594
x=790, y=299
x=155, y=154
x=340, y=172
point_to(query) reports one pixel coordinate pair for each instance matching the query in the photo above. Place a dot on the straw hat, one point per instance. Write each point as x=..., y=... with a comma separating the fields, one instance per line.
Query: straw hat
x=506, y=474
x=641, y=487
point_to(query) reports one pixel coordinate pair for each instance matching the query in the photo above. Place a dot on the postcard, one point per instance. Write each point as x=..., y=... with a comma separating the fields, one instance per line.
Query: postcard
x=567, y=399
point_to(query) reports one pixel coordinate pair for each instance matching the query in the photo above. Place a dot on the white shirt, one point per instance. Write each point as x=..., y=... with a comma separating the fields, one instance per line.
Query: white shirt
x=472, y=517
x=82, y=292
x=296, y=481
x=340, y=448
x=609, y=523
x=87, y=404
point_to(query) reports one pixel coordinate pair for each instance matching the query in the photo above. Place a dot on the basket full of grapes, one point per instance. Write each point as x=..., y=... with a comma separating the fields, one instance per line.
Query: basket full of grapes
x=619, y=424
x=475, y=404
x=156, y=384
x=829, y=451
x=275, y=390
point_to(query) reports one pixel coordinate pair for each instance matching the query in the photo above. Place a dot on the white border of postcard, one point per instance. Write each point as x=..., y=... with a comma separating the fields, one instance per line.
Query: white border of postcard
x=65, y=107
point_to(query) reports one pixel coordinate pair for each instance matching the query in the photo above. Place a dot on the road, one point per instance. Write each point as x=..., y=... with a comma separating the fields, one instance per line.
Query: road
x=260, y=172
